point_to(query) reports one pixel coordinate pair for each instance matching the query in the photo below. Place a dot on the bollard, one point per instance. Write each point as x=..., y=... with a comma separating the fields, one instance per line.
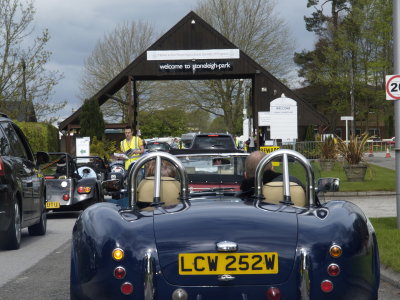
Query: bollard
x=370, y=151
x=387, y=153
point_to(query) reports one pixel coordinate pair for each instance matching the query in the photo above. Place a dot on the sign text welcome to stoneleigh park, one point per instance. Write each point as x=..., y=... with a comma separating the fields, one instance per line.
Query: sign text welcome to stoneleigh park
x=196, y=66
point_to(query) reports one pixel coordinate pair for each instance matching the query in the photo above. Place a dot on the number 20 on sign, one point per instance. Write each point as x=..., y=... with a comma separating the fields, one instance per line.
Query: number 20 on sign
x=392, y=87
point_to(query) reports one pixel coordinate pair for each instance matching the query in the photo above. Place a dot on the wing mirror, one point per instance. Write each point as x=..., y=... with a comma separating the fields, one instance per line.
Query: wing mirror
x=328, y=184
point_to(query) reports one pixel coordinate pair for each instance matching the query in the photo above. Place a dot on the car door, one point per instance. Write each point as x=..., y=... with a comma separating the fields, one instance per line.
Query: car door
x=23, y=170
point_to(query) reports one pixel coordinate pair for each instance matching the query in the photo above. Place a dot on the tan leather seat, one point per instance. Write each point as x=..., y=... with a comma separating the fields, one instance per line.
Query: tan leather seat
x=169, y=192
x=273, y=193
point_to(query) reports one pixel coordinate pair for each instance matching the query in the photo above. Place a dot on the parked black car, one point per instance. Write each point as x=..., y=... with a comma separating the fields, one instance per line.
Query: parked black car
x=205, y=142
x=22, y=192
x=213, y=141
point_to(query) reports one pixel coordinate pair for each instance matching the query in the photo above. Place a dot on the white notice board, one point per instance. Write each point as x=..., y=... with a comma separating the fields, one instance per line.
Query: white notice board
x=83, y=146
x=283, y=116
x=264, y=118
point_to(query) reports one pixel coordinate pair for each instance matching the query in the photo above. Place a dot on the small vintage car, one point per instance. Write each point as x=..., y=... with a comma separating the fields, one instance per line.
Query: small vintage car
x=281, y=242
x=70, y=186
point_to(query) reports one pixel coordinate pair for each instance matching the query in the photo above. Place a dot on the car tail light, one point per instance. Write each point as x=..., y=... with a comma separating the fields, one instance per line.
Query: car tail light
x=127, y=288
x=326, y=286
x=84, y=190
x=119, y=272
x=2, y=169
x=49, y=177
x=118, y=254
x=333, y=270
x=65, y=197
x=273, y=293
x=335, y=251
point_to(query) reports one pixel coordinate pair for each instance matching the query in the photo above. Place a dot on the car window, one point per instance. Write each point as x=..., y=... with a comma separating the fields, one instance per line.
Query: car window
x=4, y=145
x=16, y=143
x=219, y=142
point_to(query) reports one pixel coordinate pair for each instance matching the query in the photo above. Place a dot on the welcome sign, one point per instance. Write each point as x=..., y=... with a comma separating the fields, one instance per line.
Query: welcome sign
x=196, y=66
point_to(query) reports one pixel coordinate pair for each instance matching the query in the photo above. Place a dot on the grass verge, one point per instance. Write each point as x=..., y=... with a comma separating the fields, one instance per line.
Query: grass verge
x=376, y=179
x=388, y=237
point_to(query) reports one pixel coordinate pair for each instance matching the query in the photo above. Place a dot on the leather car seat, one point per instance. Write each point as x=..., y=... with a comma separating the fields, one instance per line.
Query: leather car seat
x=169, y=193
x=273, y=193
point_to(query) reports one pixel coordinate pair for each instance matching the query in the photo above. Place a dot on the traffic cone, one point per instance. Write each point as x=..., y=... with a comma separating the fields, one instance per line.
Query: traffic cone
x=370, y=151
x=387, y=153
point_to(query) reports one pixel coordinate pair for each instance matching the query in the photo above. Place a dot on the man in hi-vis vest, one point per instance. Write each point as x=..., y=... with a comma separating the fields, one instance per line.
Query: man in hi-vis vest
x=132, y=146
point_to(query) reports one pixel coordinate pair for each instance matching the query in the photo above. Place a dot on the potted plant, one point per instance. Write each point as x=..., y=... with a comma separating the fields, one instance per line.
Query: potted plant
x=353, y=154
x=327, y=154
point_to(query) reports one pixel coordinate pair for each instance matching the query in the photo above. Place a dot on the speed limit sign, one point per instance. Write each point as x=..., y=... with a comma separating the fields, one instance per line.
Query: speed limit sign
x=392, y=87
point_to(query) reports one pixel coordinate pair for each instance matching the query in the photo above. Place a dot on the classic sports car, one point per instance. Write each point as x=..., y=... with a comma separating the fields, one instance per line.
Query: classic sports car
x=281, y=242
x=69, y=187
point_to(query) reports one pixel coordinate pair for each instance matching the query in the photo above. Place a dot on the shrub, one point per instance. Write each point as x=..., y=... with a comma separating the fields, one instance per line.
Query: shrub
x=328, y=149
x=102, y=148
x=353, y=150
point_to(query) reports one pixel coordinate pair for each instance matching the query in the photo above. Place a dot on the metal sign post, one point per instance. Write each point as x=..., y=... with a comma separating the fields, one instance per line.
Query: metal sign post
x=347, y=118
x=396, y=63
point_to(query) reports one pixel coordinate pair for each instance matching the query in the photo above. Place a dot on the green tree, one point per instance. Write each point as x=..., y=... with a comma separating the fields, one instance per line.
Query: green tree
x=91, y=120
x=23, y=76
x=161, y=123
x=350, y=57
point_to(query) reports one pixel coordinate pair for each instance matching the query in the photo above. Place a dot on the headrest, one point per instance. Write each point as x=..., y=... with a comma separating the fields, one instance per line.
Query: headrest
x=273, y=193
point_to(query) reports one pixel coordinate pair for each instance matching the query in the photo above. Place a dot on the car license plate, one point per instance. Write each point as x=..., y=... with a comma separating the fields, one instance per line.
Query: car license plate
x=53, y=204
x=228, y=263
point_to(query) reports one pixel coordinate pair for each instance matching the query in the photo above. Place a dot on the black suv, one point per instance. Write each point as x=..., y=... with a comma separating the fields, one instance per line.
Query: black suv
x=213, y=141
x=22, y=194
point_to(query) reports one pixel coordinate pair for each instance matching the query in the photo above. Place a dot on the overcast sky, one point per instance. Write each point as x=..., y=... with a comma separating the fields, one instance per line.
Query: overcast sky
x=75, y=26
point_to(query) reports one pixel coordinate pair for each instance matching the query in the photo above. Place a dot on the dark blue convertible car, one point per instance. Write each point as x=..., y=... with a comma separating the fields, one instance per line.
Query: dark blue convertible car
x=280, y=242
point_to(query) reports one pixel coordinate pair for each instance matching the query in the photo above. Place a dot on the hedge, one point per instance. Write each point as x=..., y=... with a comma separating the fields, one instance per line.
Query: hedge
x=41, y=136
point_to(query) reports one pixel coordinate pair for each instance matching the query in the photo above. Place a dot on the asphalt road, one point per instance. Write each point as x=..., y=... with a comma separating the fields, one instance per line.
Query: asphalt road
x=40, y=268
x=379, y=158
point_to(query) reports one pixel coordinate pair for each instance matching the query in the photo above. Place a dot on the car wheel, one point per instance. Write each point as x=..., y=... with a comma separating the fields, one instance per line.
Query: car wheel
x=12, y=237
x=39, y=228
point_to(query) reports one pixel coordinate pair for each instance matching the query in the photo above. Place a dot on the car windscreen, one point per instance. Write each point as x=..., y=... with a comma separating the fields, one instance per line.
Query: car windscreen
x=213, y=168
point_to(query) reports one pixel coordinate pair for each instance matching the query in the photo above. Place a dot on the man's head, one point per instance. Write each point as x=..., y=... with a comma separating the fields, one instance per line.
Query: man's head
x=251, y=163
x=128, y=132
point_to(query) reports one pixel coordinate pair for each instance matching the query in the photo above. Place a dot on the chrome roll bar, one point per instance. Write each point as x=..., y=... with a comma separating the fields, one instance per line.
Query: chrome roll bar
x=286, y=154
x=158, y=156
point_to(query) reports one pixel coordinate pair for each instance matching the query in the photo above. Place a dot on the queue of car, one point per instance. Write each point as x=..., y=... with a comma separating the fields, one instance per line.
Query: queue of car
x=191, y=235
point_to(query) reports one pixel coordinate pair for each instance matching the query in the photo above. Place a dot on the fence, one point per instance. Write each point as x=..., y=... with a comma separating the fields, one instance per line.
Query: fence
x=310, y=149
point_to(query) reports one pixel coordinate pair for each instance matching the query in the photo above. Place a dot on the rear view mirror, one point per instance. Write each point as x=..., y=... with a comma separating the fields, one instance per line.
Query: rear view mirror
x=328, y=184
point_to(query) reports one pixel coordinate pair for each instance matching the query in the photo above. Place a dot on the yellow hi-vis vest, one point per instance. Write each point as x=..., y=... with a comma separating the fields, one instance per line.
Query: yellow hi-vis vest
x=135, y=144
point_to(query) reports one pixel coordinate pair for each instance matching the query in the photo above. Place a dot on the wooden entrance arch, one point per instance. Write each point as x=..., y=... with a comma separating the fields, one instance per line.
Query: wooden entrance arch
x=187, y=52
